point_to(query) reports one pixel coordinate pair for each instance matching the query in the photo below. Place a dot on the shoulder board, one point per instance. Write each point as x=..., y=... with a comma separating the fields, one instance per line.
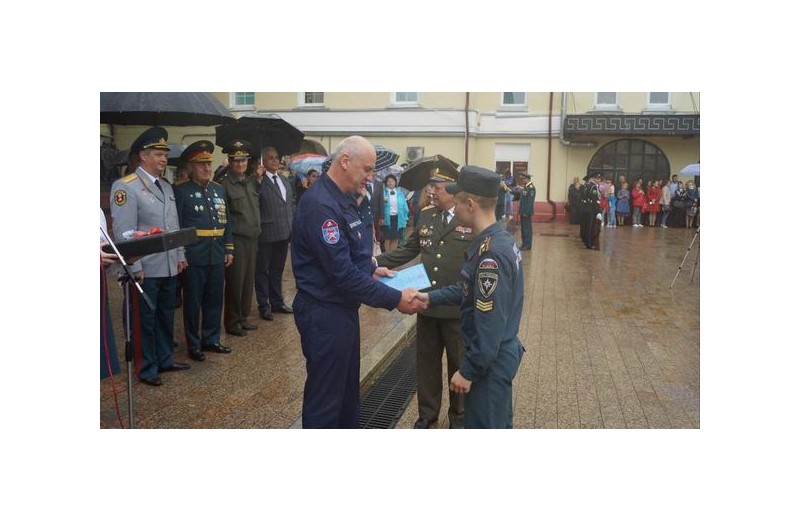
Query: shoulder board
x=486, y=245
x=130, y=178
x=214, y=183
x=427, y=208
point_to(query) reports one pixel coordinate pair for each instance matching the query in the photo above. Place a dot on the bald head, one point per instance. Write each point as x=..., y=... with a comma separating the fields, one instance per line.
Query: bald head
x=352, y=164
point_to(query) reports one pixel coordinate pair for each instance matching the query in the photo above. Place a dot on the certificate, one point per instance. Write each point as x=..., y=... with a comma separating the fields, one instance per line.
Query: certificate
x=413, y=277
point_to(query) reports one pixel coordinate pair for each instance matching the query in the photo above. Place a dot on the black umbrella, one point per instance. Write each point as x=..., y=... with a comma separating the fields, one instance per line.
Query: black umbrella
x=162, y=109
x=262, y=130
x=417, y=175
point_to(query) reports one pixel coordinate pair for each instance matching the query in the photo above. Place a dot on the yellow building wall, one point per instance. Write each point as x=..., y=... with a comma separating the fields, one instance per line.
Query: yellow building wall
x=630, y=102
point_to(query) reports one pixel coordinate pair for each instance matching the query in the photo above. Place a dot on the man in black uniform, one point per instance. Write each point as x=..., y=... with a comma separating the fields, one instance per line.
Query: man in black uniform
x=491, y=296
x=527, y=196
x=202, y=204
x=441, y=239
x=590, y=202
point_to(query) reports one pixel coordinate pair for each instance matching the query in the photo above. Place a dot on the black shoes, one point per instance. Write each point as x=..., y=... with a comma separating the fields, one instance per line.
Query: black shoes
x=175, y=367
x=424, y=424
x=196, y=355
x=236, y=332
x=266, y=315
x=152, y=381
x=219, y=349
x=249, y=326
x=283, y=309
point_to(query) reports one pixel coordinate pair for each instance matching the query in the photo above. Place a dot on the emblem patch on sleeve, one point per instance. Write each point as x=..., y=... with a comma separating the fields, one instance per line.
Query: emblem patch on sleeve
x=330, y=232
x=484, y=306
x=488, y=263
x=120, y=197
x=487, y=282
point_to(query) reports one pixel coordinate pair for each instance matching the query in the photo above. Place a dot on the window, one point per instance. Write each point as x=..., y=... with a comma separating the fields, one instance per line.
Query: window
x=606, y=101
x=513, y=98
x=243, y=99
x=405, y=98
x=311, y=99
x=633, y=158
x=658, y=101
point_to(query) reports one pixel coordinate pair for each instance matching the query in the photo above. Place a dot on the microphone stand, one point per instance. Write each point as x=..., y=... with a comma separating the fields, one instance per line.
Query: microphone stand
x=126, y=279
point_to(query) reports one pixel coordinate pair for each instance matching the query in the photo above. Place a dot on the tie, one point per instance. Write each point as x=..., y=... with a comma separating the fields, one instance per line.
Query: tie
x=445, y=218
x=275, y=181
x=158, y=185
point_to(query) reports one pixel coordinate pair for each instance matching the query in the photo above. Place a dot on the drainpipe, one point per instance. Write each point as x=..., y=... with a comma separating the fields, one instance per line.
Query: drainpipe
x=549, y=155
x=582, y=144
x=466, y=130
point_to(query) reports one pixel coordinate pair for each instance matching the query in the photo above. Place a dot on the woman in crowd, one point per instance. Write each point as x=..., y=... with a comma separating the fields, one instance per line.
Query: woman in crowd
x=664, y=201
x=303, y=184
x=692, y=203
x=678, y=203
x=653, y=194
x=574, y=200
x=623, y=204
x=639, y=201
x=395, y=213
x=612, y=205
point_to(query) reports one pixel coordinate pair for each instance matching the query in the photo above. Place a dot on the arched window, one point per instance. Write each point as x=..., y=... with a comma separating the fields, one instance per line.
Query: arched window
x=633, y=158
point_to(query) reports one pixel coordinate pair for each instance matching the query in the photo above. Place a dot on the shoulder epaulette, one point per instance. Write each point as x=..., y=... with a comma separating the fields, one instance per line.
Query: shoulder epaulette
x=130, y=178
x=427, y=208
x=486, y=245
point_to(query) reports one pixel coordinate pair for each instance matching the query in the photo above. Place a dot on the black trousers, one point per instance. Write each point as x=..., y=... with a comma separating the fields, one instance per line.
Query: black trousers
x=270, y=262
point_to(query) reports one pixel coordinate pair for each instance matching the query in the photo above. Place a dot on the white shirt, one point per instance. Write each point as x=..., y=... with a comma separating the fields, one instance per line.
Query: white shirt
x=392, y=201
x=450, y=214
x=281, y=188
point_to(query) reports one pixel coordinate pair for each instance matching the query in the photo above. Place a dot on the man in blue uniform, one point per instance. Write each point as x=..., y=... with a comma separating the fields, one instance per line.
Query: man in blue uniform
x=139, y=202
x=202, y=204
x=334, y=272
x=490, y=295
x=527, y=196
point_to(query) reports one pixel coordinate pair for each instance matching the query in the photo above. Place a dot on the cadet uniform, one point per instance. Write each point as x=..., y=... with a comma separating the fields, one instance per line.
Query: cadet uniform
x=141, y=201
x=526, y=198
x=243, y=211
x=332, y=268
x=491, y=297
x=441, y=248
x=590, y=205
x=204, y=208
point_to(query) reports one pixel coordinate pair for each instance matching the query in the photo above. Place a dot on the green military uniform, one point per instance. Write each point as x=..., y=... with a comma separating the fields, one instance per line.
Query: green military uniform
x=441, y=248
x=246, y=226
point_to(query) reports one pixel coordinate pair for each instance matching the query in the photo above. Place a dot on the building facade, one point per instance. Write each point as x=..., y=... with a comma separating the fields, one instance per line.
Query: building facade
x=554, y=136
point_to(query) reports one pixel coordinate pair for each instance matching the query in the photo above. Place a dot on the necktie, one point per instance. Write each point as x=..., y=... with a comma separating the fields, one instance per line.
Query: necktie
x=158, y=185
x=445, y=218
x=275, y=181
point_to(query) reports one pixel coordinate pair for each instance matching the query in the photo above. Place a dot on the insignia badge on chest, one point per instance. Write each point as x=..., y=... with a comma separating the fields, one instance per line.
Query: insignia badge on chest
x=487, y=282
x=330, y=231
x=120, y=197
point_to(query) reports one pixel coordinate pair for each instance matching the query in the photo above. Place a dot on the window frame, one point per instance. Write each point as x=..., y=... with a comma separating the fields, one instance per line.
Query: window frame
x=503, y=103
x=659, y=106
x=235, y=106
x=394, y=101
x=301, y=101
x=606, y=106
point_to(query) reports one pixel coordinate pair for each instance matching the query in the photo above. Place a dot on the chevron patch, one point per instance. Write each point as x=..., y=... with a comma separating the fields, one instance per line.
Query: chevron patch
x=484, y=306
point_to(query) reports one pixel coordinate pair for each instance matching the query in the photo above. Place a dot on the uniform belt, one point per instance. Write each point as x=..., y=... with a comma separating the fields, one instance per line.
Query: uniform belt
x=210, y=232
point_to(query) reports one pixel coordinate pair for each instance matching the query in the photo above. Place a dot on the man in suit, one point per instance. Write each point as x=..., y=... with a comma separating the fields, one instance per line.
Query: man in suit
x=275, y=205
x=441, y=240
x=139, y=202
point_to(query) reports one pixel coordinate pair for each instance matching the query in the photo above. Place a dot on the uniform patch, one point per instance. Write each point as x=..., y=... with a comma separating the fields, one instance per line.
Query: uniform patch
x=462, y=229
x=330, y=232
x=484, y=306
x=487, y=263
x=485, y=245
x=487, y=282
x=120, y=197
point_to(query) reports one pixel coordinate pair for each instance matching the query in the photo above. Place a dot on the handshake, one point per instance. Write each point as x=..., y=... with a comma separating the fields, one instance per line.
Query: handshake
x=413, y=301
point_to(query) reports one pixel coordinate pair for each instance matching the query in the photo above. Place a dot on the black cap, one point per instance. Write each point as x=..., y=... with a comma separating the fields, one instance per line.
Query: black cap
x=238, y=149
x=477, y=181
x=198, y=152
x=153, y=138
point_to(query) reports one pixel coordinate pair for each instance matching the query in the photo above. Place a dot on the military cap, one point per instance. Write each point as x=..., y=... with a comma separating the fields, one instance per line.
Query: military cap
x=154, y=138
x=441, y=175
x=198, y=152
x=238, y=149
x=477, y=181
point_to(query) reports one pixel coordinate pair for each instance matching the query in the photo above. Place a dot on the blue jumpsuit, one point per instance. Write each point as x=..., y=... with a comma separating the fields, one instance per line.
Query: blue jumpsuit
x=490, y=295
x=333, y=268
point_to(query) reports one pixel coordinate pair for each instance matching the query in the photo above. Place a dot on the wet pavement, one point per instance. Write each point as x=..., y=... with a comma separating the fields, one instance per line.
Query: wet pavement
x=609, y=345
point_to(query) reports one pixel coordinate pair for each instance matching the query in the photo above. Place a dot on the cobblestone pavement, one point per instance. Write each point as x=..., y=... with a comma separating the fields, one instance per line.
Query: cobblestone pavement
x=609, y=345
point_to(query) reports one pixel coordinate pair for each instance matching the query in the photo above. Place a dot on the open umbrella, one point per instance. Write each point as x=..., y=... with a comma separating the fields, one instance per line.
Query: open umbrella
x=262, y=130
x=301, y=163
x=692, y=169
x=395, y=170
x=162, y=109
x=417, y=175
x=383, y=159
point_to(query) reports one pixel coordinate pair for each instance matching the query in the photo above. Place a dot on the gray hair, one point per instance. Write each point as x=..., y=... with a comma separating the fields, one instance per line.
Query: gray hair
x=350, y=146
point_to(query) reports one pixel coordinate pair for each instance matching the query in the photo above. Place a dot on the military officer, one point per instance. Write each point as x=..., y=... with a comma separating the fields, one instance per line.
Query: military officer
x=334, y=272
x=441, y=240
x=490, y=295
x=245, y=217
x=527, y=195
x=590, y=201
x=202, y=204
x=140, y=201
